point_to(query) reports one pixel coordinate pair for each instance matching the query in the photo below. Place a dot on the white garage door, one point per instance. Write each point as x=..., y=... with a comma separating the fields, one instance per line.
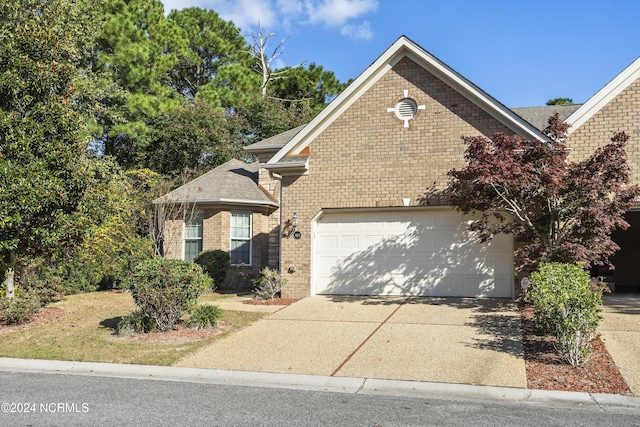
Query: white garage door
x=422, y=252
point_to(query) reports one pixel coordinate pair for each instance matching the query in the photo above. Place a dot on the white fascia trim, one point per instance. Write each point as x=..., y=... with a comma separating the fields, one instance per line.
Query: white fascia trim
x=248, y=202
x=286, y=165
x=263, y=149
x=221, y=200
x=401, y=48
x=288, y=168
x=343, y=101
x=331, y=112
x=604, y=96
x=476, y=95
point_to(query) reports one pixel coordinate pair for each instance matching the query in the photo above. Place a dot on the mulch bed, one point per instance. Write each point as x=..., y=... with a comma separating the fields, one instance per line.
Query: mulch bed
x=44, y=316
x=178, y=335
x=546, y=370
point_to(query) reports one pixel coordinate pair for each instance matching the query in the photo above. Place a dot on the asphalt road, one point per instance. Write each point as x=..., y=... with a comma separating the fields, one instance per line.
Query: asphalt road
x=44, y=399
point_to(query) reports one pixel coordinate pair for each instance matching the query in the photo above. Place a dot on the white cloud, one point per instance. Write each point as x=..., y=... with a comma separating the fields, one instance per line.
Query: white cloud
x=331, y=14
x=246, y=13
x=362, y=31
x=290, y=7
x=179, y=4
x=243, y=13
x=337, y=12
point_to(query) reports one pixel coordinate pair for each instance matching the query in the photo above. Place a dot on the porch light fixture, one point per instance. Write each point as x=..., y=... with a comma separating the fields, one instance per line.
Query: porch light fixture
x=295, y=221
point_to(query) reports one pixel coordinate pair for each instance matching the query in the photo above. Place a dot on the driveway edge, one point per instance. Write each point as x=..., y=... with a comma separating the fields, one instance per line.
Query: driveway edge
x=351, y=385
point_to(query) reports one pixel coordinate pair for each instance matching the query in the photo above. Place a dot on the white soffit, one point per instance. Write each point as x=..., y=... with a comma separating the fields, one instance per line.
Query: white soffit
x=604, y=96
x=401, y=48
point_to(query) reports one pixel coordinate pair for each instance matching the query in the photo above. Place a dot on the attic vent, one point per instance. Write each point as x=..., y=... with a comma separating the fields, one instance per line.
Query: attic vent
x=406, y=109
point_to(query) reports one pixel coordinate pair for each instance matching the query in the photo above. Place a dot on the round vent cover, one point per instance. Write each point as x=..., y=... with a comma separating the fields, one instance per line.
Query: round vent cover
x=406, y=109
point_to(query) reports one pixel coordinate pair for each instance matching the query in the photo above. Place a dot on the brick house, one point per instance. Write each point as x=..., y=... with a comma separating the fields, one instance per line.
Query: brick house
x=341, y=204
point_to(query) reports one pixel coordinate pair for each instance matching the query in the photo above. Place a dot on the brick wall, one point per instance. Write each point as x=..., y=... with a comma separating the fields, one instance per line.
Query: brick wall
x=272, y=185
x=621, y=114
x=217, y=235
x=366, y=158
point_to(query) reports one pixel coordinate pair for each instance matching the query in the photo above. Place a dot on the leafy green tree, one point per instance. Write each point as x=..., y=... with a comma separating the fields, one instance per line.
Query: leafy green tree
x=312, y=85
x=212, y=43
x=261, y=118
x=196, y=137
x=43, y=128
x=560, y=101
x=114, y=239
x=138, y=49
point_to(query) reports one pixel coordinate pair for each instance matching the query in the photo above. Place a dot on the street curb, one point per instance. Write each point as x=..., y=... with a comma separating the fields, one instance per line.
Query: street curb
x=170, y=373
x=369, y=386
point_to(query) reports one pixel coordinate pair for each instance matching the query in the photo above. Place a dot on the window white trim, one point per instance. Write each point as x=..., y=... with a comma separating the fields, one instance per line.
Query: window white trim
x=233, y=238
x=199, y=217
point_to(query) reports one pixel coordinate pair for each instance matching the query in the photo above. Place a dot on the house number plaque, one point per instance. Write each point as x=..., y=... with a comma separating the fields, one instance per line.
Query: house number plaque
x=297, y=235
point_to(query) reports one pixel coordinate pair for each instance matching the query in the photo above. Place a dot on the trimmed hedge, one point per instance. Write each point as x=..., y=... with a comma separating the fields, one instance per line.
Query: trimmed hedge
x=566, y=307
x=215, y=263
x=165, y=289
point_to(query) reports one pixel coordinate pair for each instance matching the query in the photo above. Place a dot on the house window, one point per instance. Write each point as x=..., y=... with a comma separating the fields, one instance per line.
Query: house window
x=240, y=238
x=193, y=237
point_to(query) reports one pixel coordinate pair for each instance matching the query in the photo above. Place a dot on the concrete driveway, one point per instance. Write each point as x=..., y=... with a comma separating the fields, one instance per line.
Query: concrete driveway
x=620, y=330
x=466, y=341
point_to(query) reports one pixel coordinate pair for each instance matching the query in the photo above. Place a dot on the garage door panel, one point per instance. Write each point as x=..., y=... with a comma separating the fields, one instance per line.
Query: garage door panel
x=445, y=219
x=428, y=253
x=327, y=242
x=349, y=242
x=409, y=253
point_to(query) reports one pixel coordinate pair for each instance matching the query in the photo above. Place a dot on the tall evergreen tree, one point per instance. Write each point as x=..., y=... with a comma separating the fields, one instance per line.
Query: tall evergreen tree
x=44, y=130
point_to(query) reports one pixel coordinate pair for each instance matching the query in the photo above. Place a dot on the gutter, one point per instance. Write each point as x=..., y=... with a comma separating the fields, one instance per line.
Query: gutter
x=288, y=167
x=222, y=200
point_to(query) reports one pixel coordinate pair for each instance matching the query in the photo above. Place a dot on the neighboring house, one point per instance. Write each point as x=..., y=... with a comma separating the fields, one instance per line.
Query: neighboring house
x=354, y=185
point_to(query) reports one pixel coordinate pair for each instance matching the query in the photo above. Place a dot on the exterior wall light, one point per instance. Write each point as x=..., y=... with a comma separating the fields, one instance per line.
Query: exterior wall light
x=295, y=221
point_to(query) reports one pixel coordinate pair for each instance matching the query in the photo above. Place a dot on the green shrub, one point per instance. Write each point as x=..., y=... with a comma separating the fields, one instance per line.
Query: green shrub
x=165, y=289
x=204, y=317
x=269, y=285
x=103, y=266
x=18, y=310
x=238, y=279
x=41, y=280
x=566, y=307
x=135, y=323
x=215, y=263
x=18, y=291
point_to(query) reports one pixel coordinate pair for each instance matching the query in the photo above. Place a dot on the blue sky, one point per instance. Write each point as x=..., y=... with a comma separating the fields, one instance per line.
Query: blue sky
x=522, y=52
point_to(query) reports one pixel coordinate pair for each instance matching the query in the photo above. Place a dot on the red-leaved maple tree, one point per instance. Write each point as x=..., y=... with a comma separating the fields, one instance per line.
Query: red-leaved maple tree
x=558, y=211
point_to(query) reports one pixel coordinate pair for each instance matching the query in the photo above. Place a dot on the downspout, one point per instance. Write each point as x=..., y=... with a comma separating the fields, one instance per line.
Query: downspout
x=279, y=178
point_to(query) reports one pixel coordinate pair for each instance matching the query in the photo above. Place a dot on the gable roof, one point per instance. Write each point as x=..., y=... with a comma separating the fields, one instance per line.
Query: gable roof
x=538, y=116
x=603, y=96
x=232, y=183
x=403, y=47
x=274, y=143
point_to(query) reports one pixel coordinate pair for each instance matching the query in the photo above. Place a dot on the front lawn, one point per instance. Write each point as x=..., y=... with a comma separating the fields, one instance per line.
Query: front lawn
x=85, y=334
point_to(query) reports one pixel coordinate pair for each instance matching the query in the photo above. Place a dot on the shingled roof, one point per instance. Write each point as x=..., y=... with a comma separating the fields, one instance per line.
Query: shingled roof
x=274, y=143
x=232, y=183
x=538, y=116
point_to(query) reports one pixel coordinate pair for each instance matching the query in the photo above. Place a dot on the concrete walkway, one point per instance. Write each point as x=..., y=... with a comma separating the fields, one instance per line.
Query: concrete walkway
x=620, y=329
x=465, y=341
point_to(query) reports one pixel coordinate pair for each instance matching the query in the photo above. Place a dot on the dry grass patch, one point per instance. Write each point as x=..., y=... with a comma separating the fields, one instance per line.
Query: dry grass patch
x=85, y=333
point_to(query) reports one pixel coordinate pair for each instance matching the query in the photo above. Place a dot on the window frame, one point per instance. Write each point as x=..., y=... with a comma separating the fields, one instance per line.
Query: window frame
x=195, y=216
x=245, y=239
